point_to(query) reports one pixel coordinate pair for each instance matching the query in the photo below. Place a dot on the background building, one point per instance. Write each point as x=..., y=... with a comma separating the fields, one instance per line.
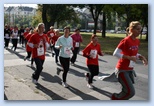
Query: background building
x=13, y=14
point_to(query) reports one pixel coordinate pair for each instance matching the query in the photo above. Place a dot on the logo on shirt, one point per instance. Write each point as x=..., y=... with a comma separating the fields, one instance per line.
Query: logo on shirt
x=133, y=48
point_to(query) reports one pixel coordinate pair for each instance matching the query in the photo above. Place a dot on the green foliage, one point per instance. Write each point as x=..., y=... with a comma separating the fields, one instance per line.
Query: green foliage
x=36, y=19
x=60, y=13
x=111, y=41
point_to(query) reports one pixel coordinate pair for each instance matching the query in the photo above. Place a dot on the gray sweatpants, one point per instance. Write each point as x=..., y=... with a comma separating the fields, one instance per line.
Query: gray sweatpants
x=126, y=79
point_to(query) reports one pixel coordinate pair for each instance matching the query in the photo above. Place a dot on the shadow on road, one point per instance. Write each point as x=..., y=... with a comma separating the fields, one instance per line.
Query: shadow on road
x=5, y=97
x=81, y=67
x=50, y=78
x=102, y=60
x=76, y=73
x=103, y=92
x=83, y=95
x=33, y=68
x=48, y=92
x=16, y=53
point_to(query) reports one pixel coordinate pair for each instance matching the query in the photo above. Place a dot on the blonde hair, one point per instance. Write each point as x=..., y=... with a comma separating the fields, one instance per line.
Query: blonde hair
x=56, y=30
x=134, y=24
x=31, y=31
x=38, y=26
x=51, y=27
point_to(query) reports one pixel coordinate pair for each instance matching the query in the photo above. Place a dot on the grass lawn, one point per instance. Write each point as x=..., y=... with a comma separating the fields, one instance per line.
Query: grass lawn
x=111, y=41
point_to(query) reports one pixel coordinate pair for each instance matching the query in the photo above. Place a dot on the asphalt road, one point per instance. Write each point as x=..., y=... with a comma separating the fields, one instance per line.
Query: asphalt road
x=18, y=84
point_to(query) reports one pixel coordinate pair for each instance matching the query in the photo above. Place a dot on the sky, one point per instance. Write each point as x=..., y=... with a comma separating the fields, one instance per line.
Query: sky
x=28, y=5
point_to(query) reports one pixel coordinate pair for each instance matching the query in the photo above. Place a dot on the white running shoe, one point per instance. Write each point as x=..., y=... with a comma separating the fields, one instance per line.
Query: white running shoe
x=87, y=76
x=65, y=84
x=90, y=86
x=34, y=81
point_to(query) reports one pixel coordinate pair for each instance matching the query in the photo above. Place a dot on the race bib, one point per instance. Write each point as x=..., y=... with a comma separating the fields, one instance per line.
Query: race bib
x=6, y=35
x=15, y=34
x=93, y=53
x=77, y=44
x=67, y=50
x=40, y=51
x=51, y=34
x=131, y=64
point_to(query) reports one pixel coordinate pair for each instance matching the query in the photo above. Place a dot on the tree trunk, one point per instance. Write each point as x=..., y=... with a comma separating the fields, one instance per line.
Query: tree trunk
x=95, y=26
x=104, y=25
x=44, y=18
x=146, y=34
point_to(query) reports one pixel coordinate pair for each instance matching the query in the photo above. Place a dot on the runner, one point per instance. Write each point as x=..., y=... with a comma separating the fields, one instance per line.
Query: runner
x=91, y=52
x=65, y=44
x=39, y=43
x=127, y=52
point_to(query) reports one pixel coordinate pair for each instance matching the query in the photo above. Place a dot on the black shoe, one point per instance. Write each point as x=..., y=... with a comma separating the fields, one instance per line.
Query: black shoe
x=25, y=59
x=53, y=54
x=72, y=64
x=58, y=71
x=32, y=65
x=57, y=63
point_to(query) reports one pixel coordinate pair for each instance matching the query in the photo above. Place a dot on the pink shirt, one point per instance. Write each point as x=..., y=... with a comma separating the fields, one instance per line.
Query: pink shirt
x=76, y=38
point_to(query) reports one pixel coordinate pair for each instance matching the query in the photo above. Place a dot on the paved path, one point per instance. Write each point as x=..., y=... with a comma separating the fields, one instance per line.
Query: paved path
x=18, y=84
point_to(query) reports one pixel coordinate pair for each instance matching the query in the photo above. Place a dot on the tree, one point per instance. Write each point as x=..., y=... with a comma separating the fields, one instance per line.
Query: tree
x=144, y=17
x=59, y=13
x=36, y=19
x=133, y=12
x=95, y=10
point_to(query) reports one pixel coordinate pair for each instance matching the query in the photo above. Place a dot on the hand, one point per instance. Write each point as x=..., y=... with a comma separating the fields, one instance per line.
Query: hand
x=102, y=54
x=60, y=46
x=133, y=58
x=44, y=39
x=35, y=45
x=144, y=60
x=72, y=48
x=90, y=56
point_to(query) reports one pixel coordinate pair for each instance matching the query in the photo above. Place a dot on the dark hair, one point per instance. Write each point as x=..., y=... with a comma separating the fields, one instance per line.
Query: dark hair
x=67, y=27
x=93, y=36
x=77, y=29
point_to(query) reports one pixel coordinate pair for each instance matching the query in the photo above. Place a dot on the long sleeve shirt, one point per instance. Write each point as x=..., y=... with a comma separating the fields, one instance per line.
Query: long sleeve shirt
x=129, y=47
x=77, y=38
x=67, y=45
x=38, y=52
x=93, y=51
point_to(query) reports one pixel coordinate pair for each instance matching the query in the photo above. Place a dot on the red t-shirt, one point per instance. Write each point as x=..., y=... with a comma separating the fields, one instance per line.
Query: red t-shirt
x=129, y=47
x=50, y=34
x=37, y=39
x=87, y=51
x=28, y=49
x=25, y=34
x=54, y=39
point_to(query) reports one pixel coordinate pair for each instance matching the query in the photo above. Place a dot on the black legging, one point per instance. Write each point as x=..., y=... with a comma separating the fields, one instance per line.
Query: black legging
x=65, y=63
x=15, y=42
x=75, y=52
x=56, y=54
x=94, y=70
x=28, y=55
x=6, y=42
x=39, y=68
